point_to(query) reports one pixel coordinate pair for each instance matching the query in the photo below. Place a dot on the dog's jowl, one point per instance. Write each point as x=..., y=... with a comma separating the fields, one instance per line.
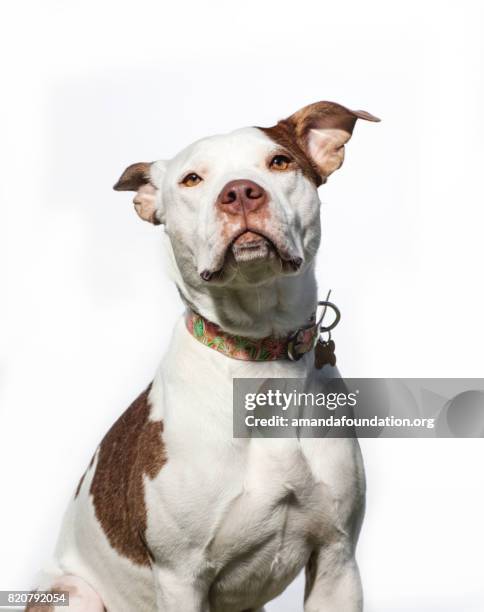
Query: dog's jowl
x=173, y=513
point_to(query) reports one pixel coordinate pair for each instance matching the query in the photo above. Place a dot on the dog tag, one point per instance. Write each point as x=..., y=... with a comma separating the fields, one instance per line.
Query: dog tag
x=324, y=354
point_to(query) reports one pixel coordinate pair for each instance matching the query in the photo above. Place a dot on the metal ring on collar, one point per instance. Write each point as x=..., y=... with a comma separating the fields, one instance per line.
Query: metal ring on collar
x=337, y=316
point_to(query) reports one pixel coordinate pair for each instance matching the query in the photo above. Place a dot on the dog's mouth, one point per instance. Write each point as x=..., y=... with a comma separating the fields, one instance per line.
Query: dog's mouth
x=250, y=247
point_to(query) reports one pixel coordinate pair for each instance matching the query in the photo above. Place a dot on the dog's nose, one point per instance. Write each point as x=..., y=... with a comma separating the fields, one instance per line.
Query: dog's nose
x=241, y=196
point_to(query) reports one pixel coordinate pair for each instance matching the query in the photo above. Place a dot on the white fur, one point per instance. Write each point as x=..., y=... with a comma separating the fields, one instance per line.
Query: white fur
x=277, y=303
x=231, y=522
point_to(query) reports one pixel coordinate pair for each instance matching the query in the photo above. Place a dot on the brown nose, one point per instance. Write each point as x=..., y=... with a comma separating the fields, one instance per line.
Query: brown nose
x=241, y=196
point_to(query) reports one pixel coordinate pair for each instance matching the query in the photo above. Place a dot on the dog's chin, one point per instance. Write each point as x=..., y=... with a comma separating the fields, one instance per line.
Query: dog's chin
x=250, y=248
x=252, y=259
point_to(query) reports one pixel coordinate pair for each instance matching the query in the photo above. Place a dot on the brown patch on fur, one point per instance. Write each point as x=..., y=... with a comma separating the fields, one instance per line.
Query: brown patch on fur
x=283, y=135
x=291, y=133
x=133, y=177
x=132, y=449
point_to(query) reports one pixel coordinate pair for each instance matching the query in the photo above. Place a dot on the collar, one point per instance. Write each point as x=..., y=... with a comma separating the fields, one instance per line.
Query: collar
x=270, y=348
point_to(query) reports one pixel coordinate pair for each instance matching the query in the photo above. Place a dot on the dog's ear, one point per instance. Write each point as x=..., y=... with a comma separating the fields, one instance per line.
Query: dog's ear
x=320, y=131
x=145, y=178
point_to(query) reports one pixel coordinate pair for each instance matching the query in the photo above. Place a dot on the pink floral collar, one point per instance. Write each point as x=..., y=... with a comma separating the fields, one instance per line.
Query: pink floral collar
x=292, y=347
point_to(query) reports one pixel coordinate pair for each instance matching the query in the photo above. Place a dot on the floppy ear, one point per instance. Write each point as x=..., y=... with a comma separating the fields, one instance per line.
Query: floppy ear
x=144, y=178
x=320, y=132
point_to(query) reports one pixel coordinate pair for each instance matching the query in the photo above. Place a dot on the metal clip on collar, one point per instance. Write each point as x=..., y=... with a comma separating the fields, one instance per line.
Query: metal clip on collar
x=337, y=317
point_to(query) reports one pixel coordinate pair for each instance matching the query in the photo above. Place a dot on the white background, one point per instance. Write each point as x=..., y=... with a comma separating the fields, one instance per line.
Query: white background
x=89, y=87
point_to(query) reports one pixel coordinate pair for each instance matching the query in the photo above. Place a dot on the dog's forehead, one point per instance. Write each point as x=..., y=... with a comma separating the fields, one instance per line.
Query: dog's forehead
x=243, y=145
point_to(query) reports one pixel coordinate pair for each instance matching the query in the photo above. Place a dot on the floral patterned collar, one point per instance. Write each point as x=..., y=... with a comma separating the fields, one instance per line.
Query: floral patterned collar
x=271, y=348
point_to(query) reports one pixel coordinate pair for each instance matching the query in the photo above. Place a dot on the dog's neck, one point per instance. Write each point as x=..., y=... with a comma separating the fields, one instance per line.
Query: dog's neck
x=276, y=308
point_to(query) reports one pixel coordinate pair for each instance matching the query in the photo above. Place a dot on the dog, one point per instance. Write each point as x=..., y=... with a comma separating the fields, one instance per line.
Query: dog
x=173, y=513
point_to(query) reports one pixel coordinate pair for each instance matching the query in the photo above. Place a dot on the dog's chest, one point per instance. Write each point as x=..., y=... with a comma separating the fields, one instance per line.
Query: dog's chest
x=245, y=514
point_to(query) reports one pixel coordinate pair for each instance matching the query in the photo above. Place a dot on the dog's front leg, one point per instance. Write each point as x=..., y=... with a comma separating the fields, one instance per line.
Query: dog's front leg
x=175, y=592
x=332, y=582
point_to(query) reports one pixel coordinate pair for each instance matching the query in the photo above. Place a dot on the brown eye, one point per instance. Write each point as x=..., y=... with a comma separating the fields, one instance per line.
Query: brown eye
x=280, y=162
x=191, y=180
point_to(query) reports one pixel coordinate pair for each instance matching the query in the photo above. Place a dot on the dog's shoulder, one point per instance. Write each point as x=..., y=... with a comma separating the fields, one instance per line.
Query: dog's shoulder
x=132, y=449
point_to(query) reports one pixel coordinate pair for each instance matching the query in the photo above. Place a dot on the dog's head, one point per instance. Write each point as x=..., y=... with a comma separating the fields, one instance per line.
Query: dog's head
x=243, y=207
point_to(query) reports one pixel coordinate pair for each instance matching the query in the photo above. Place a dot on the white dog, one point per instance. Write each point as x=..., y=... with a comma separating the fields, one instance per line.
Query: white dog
x=174, y=513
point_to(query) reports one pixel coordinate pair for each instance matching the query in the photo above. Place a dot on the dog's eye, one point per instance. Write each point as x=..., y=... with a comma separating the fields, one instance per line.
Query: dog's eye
x=192, y=179
x=280, y=162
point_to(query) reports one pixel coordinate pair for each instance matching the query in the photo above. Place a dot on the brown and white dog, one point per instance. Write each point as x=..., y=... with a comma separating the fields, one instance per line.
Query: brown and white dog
x=173, y=513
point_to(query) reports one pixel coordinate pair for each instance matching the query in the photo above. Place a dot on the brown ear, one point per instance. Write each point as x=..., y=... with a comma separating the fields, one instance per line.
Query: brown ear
x=133, y=177
x=137, y=177
x=319, y=131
